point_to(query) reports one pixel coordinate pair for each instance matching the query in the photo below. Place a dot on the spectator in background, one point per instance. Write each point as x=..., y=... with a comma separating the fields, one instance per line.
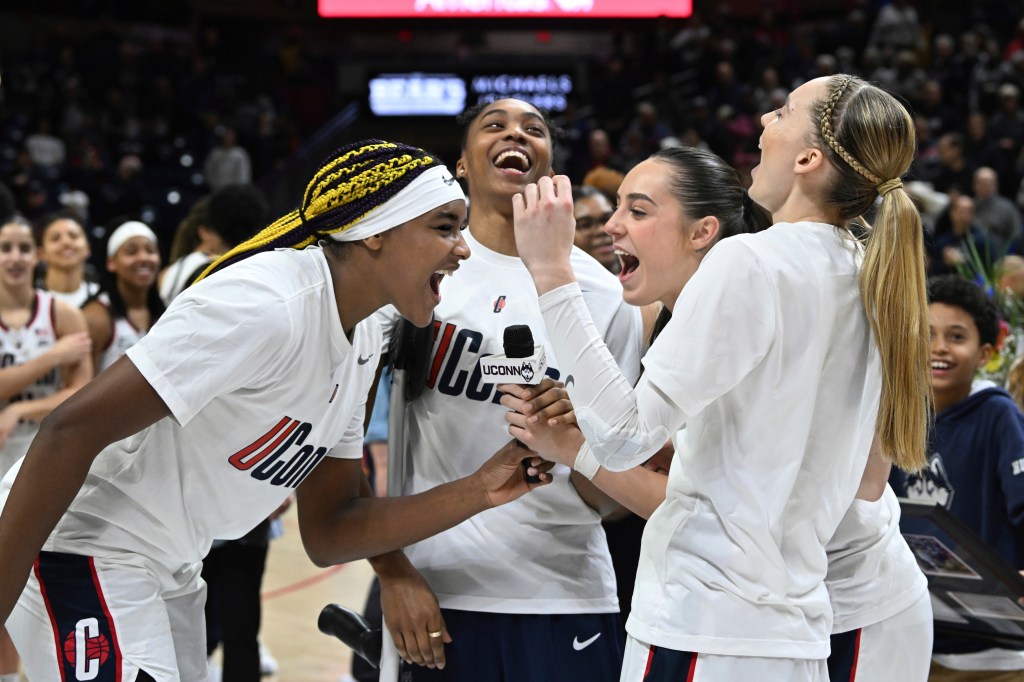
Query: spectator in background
x=997, y=216
x=955, y=249
x=605, y=180
x=44, y=148
x=949, y=168
x=979, y=147
x=643, y=135
x=897, y=27
x=975, y=444
x=187, y=251
x=228, y=163
x=592, y=209
x=231, y=214
x=64, y=252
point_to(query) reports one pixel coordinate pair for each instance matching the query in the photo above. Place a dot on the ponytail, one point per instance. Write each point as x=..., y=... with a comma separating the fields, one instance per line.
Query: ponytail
x=869, y=139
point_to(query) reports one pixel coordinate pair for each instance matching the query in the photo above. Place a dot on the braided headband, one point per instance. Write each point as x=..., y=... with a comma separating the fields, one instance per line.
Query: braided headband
x=883, y=187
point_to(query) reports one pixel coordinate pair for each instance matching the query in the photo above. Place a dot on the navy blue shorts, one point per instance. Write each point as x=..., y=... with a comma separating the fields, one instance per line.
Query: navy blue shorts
x=669, y=665
x=842, y=662
x=499, y=647
x=83, y=630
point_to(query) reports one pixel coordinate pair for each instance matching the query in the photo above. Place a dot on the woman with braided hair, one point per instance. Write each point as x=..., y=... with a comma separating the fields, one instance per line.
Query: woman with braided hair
x=251, y=385
x=790, y=353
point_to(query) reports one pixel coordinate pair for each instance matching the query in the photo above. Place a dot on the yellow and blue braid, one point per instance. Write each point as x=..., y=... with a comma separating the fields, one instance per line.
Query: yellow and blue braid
x=352, y=182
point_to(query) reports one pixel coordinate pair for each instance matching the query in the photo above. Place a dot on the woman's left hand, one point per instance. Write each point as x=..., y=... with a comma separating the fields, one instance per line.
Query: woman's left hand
x=545, y=229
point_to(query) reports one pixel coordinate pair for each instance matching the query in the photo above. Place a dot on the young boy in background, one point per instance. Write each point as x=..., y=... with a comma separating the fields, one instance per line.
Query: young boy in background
x=975, y=457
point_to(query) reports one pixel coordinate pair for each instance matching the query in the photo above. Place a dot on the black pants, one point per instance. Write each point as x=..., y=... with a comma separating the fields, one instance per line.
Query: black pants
x=234, y=574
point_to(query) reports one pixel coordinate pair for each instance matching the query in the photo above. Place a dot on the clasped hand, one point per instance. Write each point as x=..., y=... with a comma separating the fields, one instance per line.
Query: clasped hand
x=542, y=418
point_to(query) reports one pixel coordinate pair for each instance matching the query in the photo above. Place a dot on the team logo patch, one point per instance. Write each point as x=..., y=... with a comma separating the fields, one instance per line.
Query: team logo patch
x=499, y=304
x=87, y=644
x=527, y=373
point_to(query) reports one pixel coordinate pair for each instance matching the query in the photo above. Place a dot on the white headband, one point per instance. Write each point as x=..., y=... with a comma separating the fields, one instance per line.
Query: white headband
x=434, y=187
x=129, y=230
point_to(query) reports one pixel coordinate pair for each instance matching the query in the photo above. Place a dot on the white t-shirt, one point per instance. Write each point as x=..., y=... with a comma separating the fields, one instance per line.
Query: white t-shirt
x=123, y=335
x=770, y=363
x=18, y=346
x=543, y=553
x=79, y=296
x=176, y=278
x=872, y=573
x=261, y=383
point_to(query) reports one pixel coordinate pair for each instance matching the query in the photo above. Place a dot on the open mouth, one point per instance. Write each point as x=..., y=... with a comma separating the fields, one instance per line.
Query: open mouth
x=941, y=365
x=512, y=160
x=435, y=281
x=628, y=263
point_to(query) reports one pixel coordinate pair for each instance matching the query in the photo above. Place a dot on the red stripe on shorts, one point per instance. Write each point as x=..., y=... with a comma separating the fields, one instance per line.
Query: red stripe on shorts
x=693, y=668
x=856, y=656
x=110, y=620
x=650, y=659
x=53, y=620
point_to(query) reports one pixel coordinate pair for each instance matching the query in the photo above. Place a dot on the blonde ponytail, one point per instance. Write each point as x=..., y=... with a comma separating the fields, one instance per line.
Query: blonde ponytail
x=869, y=138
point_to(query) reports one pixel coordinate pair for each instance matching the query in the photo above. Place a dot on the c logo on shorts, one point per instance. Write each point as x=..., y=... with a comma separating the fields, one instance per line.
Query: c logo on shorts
x=86, y=648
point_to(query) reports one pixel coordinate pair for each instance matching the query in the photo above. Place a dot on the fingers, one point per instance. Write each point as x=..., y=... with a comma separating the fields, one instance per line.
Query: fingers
x=547, y=190
x=425, y=649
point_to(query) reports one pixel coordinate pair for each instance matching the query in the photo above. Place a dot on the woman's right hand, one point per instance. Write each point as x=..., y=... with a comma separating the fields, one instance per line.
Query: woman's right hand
x=71, y=348
x=411, y=613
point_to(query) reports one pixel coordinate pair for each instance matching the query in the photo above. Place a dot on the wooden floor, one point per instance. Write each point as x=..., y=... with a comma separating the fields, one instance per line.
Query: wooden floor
x=294, y=591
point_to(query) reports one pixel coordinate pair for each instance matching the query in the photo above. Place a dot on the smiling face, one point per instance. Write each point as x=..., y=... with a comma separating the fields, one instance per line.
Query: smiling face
x=17, y=256
x=956, y=353
x=418, y=254
x=508, y=146
x=136, y=263
x=591, y=213
x=786, y=136
x=64, y=245
x=652, y=237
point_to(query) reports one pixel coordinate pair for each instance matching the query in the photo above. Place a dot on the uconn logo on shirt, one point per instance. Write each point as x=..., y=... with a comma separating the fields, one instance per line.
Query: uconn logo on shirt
x=281, y=455
x=931, y=483
x=456, y=347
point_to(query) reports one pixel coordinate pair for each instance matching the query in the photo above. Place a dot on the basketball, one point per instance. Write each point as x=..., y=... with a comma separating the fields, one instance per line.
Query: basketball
x=95, y=647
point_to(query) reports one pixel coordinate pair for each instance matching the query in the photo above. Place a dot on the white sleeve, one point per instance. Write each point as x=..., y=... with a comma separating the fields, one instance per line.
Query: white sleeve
x=623, y=427
x=351, y=444
x=720, y=330
x=217, y=337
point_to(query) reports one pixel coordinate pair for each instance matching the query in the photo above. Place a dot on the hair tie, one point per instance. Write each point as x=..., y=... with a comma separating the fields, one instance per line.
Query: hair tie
x=889, y=185
x=747, y=201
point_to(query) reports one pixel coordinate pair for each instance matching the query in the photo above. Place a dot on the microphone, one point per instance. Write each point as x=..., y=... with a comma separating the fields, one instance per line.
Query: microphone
x=353, y=631
x=523, y=363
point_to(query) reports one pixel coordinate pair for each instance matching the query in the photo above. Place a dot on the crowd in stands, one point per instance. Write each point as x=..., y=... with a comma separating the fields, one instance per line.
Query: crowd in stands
x=118, y=123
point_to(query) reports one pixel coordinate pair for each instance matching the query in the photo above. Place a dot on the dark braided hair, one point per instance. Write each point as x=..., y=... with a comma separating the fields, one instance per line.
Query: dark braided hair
x=353, y=181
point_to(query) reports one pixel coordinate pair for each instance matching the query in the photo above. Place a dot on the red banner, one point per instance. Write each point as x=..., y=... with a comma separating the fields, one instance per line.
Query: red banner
x=566, y=9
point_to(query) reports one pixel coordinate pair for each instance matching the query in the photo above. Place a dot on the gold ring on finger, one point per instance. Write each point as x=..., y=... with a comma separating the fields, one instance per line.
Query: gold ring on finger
x=434, y=635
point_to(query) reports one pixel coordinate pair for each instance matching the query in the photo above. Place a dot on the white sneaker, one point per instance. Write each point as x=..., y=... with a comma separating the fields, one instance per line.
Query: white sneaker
x=268, y=664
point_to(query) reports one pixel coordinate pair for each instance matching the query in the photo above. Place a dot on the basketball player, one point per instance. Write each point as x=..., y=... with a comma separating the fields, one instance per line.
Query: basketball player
x=252, y=385
x=526, y=592
x=773, y=362
x=129, y=303
x=44, y=358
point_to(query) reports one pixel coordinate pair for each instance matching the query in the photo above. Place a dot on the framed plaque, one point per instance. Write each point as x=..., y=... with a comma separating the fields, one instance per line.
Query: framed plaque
x=974, y=591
